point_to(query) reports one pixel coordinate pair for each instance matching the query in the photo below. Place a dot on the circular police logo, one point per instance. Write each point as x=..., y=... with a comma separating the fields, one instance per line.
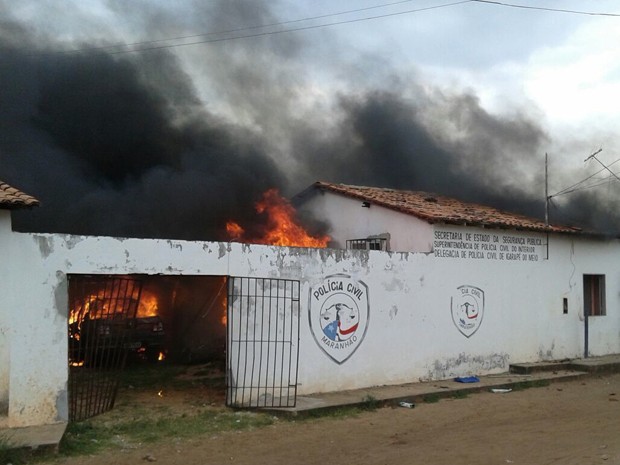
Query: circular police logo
x=467, y=306
x=338, y=313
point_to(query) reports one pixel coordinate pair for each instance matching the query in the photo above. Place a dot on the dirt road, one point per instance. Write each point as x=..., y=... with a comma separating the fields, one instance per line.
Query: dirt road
x=575, y=422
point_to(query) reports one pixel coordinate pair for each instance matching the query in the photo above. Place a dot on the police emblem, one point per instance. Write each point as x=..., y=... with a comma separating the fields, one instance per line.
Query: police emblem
x=467, y=306
x=338, y=313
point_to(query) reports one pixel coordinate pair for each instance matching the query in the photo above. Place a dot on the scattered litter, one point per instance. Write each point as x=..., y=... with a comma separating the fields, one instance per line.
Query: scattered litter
x=467, y=379
x=149, y=458
x=501, y=391
x=406, y=404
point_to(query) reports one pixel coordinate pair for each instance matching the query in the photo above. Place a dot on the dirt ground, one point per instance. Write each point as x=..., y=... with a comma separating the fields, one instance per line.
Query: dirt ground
x=575, y=422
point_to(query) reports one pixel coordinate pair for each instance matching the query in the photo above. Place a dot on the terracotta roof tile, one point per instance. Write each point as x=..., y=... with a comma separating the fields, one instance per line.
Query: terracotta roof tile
x=13, y=198
x=439, y=209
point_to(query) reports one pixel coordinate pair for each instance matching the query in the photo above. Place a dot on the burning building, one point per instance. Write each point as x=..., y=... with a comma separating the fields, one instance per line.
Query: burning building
x=475, y=290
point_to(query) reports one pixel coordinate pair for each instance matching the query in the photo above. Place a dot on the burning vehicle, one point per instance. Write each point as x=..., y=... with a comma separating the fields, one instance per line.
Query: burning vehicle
x=112, y=320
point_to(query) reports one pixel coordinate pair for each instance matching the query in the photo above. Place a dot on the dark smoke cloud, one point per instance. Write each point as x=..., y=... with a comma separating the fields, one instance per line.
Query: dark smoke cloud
x=109, y=149
x=123, y=145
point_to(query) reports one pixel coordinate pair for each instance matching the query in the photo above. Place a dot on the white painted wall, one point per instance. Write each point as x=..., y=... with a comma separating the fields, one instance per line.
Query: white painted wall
x=5, y=272
x=349, y=220
x=410, y=335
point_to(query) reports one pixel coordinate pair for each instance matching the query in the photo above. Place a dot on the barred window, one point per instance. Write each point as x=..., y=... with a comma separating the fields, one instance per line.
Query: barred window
x=374, y=243
x=594, y=294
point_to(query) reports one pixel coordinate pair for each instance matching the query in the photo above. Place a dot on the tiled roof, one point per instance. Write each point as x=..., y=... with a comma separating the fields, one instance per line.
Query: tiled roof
x=13, y=198
x=439, y=209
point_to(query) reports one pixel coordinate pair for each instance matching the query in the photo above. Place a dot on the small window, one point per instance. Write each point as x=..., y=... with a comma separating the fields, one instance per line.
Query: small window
x=374, y=243
x=594, y=294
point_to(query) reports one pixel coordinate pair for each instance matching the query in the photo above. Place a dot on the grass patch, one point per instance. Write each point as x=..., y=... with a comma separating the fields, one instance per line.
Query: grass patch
x=460, y=395
x=431, y=398
x=530, y=384
x=369, y=403
x=9, y=455
x=90, y=437
x=24, y=455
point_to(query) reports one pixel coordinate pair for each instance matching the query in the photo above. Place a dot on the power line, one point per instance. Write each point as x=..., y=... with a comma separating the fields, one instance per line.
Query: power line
x=601, y=163
x=258, y=34
x=580, y=185
x=540, y=8
x=152, y=44
x=230, y=31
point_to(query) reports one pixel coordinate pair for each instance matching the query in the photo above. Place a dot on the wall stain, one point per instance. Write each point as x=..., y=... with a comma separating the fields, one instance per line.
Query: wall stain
x=393, y=312
x=224, y=249
x=46, y=245
x=546, y=354
x=175, y=245
x=62, y=405
x=466, y=364
x=61, y=295
x=337, y=255
x=72, y=241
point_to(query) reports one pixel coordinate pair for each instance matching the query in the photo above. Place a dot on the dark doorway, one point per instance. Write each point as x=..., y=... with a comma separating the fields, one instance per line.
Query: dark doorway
x=120, y=322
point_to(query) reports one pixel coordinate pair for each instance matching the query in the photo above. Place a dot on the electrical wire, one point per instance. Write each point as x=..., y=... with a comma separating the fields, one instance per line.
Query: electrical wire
x=540, y=8
x=258, y=34
x=230, y=31
x=576, y=187
x=152, y=44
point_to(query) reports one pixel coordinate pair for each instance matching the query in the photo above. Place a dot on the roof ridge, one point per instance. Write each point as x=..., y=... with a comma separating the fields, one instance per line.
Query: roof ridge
x=438, y=208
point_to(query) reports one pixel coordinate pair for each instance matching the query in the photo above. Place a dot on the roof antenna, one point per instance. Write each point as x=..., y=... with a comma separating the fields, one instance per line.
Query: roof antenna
x=602, y=164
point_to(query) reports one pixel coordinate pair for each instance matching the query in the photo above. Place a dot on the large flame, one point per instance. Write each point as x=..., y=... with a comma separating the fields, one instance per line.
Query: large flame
x=96, y=305
x=282, y=226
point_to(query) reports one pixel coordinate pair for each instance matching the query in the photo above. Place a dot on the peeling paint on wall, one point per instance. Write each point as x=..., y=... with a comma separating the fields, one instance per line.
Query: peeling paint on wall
x=46, y=245
x=72, y=241
x=175, y=245
x=466, y=364
x=61, y=295
x=62, y=405
x=224, y=249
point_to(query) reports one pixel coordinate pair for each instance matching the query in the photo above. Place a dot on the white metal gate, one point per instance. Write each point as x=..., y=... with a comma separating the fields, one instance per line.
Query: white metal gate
x=262, y=342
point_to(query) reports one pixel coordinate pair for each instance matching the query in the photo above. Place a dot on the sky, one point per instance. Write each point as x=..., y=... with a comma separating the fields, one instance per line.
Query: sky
x=167, y=119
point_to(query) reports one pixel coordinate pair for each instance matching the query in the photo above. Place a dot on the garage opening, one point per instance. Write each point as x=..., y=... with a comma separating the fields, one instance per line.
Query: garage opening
x=246, y=330
x=119, y=323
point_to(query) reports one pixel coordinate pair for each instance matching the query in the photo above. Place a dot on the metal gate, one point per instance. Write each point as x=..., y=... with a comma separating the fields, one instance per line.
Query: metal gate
x=102, y=312
x=263, y=342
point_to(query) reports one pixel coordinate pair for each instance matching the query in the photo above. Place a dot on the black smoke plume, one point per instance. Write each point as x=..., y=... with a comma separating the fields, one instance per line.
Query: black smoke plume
x=125, y=144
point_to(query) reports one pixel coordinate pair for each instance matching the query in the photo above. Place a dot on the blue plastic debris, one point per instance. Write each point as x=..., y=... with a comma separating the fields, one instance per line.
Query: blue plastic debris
x=467, y=379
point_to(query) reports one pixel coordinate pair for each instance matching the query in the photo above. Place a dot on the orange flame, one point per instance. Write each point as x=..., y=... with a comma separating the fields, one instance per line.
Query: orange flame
x=96, y=306
x=234, y=230
x=282, y=226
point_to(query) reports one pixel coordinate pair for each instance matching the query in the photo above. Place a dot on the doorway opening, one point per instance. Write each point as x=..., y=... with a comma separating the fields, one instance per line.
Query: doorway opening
x=239, y=335
x=119, y=324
